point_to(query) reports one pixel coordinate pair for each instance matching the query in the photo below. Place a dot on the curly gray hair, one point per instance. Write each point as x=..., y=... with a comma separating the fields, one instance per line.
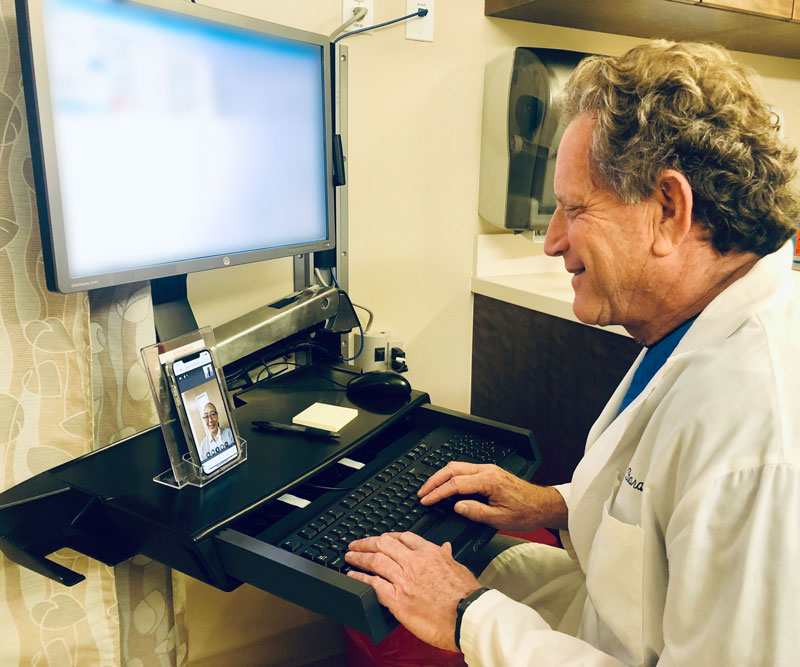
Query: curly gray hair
x=689, y=107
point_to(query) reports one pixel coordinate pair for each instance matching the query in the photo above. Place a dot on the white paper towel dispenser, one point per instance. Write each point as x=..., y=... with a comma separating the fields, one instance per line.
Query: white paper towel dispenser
x=520, y=136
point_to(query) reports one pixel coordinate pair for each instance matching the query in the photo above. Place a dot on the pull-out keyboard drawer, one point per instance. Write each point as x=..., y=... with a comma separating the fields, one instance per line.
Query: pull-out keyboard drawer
x=304, y=582
x=294, y=548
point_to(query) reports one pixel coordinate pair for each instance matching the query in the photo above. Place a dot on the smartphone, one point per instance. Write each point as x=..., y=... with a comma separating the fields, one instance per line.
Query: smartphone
x=206, y=422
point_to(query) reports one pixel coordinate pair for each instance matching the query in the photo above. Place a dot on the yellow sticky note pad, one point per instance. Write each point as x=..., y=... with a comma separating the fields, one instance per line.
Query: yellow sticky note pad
x=323, y=415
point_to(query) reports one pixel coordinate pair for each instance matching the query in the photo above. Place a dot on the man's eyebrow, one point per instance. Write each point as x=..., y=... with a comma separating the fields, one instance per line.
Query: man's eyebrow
x=567, y=201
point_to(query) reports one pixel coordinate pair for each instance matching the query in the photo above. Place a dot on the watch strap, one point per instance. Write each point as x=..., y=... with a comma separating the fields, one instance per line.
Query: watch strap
x=463, y=603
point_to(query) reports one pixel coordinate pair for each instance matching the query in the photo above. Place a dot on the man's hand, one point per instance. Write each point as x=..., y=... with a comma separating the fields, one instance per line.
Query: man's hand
x=416, y=580
x=511, y=503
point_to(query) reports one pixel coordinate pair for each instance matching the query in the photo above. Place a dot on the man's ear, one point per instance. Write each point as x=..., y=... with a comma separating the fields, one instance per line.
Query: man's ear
x=674, y=194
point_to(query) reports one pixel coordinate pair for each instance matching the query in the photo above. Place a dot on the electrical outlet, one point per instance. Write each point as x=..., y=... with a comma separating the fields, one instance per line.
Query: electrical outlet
x=420, y=28
x=349, y=6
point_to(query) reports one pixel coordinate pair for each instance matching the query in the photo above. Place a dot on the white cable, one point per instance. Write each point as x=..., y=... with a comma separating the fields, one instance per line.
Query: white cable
x=318, y=273
x=358, y=14
x=367, y=310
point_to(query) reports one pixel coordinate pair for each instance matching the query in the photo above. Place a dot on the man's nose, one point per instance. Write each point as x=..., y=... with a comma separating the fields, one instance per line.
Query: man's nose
x=555, y=240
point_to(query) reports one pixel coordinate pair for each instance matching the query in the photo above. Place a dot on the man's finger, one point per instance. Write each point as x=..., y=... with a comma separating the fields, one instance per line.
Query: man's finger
x=368, y=543
x=413, y=541
x=379, y=563
x=386, y=547
x=477, y=511
x=458, y=485
x=442, y=475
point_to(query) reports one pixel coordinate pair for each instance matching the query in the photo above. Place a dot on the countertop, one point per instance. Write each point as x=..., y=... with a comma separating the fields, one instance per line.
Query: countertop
x=514, y=269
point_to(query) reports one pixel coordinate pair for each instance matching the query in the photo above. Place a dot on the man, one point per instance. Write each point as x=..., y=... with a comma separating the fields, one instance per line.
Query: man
x=216, y=439
x=674, y=216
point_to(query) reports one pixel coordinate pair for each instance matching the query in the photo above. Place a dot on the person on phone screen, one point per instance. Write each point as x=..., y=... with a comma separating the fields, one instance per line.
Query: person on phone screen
x=217, y=439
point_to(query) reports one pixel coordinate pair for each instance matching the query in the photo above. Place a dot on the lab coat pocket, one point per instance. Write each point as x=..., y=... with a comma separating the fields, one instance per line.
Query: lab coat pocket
x=614, y=581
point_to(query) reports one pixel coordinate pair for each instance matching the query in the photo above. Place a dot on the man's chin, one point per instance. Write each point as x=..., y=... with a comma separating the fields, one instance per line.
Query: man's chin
x=587, y=314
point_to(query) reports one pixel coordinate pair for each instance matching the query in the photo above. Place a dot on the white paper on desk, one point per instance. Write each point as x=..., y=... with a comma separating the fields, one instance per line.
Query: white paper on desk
x=325, y=416
x=290, y=499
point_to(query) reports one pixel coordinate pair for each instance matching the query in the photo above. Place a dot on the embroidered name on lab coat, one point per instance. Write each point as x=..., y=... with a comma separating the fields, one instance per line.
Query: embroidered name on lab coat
x=633, y=482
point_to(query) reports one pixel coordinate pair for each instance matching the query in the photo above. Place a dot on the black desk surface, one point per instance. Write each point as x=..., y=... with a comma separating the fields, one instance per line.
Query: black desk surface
x=122, y=474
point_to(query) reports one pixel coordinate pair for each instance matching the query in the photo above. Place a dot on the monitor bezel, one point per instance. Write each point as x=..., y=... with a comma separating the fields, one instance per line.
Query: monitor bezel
x=45, y=159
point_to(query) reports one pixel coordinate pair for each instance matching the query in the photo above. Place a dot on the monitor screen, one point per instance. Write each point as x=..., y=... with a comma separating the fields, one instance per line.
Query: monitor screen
x=169, y=138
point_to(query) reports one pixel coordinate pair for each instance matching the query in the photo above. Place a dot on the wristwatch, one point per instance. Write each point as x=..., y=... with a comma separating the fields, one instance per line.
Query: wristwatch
x=463, y=603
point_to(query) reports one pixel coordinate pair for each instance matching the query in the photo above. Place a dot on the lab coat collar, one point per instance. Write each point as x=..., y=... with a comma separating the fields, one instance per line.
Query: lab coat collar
x=769, y=280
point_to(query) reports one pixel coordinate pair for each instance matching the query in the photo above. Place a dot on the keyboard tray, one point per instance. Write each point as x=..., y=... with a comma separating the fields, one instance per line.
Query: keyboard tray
x=257, y=558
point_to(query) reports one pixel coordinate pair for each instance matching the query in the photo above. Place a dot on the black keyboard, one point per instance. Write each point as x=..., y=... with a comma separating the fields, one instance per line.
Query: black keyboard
x=385, y=501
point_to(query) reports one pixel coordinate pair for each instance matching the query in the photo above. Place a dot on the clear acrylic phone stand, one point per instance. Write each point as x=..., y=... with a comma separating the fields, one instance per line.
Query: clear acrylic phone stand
x=174, y=426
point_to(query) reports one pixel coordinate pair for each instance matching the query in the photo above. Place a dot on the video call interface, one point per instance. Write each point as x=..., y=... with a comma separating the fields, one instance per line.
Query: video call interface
x=198, y=387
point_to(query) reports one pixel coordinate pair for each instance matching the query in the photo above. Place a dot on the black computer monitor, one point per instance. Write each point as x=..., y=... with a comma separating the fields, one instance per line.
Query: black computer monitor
x=168, y=138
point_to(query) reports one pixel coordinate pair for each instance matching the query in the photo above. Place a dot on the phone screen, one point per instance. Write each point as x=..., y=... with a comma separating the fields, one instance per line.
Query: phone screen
x=205, y=407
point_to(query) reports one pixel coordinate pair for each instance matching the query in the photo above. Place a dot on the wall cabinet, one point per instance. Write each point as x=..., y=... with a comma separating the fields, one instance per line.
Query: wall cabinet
x=774, y=8
x=755, y=26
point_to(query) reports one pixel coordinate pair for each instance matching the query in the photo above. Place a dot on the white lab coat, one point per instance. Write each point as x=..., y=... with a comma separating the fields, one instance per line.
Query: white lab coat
x=684, y=513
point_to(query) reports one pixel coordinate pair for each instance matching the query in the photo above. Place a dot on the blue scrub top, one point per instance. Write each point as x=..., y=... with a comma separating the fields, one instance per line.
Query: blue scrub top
x=654, y=358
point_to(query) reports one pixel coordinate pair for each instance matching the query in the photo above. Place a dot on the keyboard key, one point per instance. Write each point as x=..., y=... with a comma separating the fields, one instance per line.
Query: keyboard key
x=310, y=553
x=325, y=557
x=329, y=517
x=341, y=530
x=308, y=533
x=292, y=545
x=338, y=563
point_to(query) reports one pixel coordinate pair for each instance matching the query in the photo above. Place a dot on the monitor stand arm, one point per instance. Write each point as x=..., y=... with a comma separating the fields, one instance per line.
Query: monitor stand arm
x=171, y=310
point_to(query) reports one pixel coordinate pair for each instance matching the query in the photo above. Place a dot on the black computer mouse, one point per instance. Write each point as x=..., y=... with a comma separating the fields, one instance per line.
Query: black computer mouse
x=378, y=385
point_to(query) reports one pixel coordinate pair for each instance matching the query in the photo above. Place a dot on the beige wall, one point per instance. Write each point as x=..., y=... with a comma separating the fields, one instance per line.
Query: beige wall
x=415, y=114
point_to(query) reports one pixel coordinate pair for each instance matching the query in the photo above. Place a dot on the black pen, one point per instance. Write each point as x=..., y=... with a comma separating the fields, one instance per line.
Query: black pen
x=294, y=428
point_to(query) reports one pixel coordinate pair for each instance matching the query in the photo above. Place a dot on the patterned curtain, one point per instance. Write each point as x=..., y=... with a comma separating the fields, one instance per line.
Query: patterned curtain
x=68, y=384
x=45, y=407
x=151, y=597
